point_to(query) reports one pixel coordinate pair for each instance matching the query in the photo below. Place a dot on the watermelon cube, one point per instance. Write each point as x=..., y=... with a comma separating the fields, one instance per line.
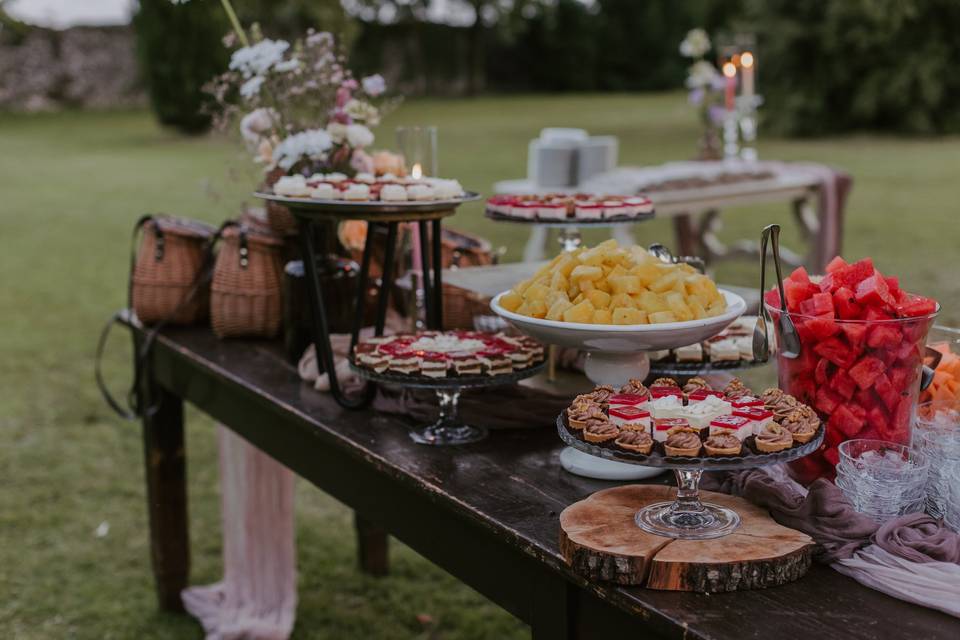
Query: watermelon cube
x=797, y=292
x=866, y=370
x=836, y=264
x=893, y=283
x=836, y=352
x=820, y=327
x=822, y=371
x=888, y=395
x=856, y=334
x=853, y=274
x=912, y=306
x=800, y=275
x=807, y=469
x=873, y=291
x=832, y=456
x=845, y=422
x=864, y=399
x=827, y=401
x=772, y=298
x=901, y=377
x=818, y=305
x=843, y=384
x=884, y=336
x=877, y=419
x=845, y=304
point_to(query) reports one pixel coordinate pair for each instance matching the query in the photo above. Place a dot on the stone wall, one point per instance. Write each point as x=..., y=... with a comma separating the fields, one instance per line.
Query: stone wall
x=81, y=67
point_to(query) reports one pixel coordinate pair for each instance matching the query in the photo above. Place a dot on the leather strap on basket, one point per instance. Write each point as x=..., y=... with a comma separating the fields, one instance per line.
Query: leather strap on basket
x=133, y=408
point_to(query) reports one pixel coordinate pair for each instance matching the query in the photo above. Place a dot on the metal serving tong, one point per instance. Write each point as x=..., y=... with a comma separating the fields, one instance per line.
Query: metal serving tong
x=789, y=339
x=663, y=254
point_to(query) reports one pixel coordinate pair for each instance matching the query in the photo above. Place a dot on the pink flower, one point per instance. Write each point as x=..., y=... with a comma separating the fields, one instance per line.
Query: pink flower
x=341, y=117
x=361, y=162
x=343, y=96
x=350, y=84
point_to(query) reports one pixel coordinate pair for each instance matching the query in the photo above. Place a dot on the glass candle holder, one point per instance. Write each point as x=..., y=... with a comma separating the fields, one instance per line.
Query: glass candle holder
x=418, y=146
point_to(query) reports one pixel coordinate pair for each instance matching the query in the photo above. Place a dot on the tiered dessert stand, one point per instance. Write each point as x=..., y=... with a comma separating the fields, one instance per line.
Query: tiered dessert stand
x=569, y=236
x=615, y=354
x=310, y=212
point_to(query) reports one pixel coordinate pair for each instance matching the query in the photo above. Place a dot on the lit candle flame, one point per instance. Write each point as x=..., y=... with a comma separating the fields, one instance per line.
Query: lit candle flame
x=746, y=59
x=416, y=172
x=729, y=69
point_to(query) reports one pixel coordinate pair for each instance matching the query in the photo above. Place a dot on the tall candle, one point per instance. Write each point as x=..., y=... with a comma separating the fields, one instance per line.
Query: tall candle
x=730, y=72
x=747, y=61
x=416, y=173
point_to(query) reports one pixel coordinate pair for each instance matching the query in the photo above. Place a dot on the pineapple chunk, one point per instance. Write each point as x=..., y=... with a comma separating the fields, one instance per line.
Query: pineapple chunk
x=679, y=307
x=622, y=315
x=559, y=281
x=602, y=316
x=622, y=300
x=696, y=308
x=599, y=299
x=511, y=301
x=534, y=309
x=664, y=282
x=557, y=308
x=585, y=272
x=662, y=316
x=625, y=284
x=536, y=292
x=582, y=312
x=652, y=302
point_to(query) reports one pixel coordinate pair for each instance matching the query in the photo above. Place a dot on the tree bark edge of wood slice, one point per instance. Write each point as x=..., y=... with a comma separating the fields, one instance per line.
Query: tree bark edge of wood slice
x=600, y=540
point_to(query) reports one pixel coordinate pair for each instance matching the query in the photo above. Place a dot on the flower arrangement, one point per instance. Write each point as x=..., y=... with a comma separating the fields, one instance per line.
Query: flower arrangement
x=706, y=85
x=300, y=108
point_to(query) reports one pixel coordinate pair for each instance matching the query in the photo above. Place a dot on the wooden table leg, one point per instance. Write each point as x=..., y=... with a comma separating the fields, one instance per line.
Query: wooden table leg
x=373, y=547
x=685, y=235
x=166, y=475
x=551, y=616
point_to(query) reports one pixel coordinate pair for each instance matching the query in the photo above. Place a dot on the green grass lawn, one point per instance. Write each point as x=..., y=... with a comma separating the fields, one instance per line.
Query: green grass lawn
x=71, y=186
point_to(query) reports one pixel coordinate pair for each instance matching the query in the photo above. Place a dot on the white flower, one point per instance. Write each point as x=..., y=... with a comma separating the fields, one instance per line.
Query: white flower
x=361, y=111
x=287, y=65
x=374, y=85
x=696, y=44
x=257, y=59
x=359, y=136
x=251, y=87
x=337, y=131
x=256, y=123
x=318, y=38
x=312, y=144
x=701, y=74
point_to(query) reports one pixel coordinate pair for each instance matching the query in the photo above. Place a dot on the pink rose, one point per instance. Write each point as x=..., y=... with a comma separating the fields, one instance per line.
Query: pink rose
x=343, y=96
x=350, y=84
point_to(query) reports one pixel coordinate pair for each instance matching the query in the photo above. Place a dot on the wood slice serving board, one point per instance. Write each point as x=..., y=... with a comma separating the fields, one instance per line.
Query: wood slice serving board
x=599, y=539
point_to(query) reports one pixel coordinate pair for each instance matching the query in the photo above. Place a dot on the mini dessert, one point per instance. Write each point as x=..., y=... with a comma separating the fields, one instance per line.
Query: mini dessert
x=335, y=177
x=665, y=407
x=615, y=209
x=551, y=211
x=773, y=438
x=665, y=382
x=376, y=361
x=635, y=387
x=621, y=416
x=695, y=384
x=405, y=362
x=323, y=191
x=639, y=205
x=520, y=358
x=579, y=415
x=780, y=403
x=420, y=192
x=736, y=389
x=292, y=186
x=682, y=442
x=702, y=394
x=663, y=427
x=724, y=351
x=527, y=210
x=801, y=425
x=600, y=430
x=758, y=417
x=664, y=391
x=744, y=402
x=600, y=394
x=365, y=178
x=723, y=444
x=737, y=426
x=689, y=353
x=446, y=189
x=626, y=400
x=434, y=365
x=636, y=441
x=465, y=364
x=495, y=363
x=588, y=211
x=701, y=414
x=393, y=193
x=745, y=345
x=355, y=192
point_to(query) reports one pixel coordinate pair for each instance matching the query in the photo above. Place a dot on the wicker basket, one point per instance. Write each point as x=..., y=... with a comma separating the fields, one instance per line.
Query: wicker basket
x=247, y=281
x=460, y=249
x=167, y=267
x=279, y=217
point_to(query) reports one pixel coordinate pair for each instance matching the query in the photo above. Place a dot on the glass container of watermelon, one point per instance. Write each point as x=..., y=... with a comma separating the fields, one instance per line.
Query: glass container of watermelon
x=863, y=340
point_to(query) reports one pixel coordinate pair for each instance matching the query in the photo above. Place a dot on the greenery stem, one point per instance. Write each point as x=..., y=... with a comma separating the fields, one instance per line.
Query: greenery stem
x=232, y=15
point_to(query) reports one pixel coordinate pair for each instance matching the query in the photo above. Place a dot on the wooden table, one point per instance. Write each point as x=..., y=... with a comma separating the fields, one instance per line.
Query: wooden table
x=487, y=512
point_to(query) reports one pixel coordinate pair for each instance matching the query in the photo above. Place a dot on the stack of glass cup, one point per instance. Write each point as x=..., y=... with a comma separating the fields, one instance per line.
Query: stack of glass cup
x=937, y=435
x=882, y=480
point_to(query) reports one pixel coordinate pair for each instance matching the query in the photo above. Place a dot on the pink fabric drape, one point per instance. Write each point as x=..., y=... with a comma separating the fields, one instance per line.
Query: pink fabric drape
x=257, y=598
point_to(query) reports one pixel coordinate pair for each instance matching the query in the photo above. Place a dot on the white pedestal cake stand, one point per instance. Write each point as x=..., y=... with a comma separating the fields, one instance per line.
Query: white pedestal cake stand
x=615, y=354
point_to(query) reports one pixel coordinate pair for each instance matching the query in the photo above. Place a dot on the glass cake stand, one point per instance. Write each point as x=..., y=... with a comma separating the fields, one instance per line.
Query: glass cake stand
x=448, y=429
x=687, y=518
x=570, y=237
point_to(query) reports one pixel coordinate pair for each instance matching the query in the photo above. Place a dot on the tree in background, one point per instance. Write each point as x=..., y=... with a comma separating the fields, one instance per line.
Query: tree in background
x=179, y=48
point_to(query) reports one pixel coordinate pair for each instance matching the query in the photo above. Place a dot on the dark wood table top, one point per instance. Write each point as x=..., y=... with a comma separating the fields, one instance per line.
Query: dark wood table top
x=513, y=486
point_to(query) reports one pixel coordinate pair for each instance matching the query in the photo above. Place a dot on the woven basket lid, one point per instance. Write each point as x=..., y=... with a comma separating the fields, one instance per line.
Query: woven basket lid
x=256, y=234
x=173, y=225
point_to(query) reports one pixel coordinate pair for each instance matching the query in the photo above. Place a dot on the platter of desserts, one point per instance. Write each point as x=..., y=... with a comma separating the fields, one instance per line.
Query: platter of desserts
x=376, y=194
x=731, y=349
x=693, y=426
x=578, y=209
x=431, y=359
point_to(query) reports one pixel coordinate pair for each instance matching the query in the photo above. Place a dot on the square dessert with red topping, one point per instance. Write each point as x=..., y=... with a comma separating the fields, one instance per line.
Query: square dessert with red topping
x=663, y=426
x=746, y=402
x=758, y=417
x=621, y=416
x=665, y=390
x=434, y=365
x=736, y=425
x=552, y=211
x=703, y=394
x=589, y=210
x=525, y=209
x=626, y=400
